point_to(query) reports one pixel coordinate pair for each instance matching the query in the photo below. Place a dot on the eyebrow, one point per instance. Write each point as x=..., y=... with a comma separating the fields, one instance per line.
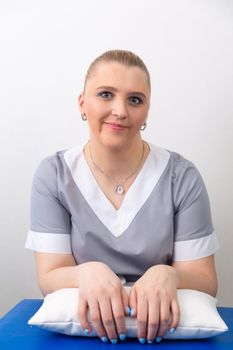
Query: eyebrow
x=106, y=87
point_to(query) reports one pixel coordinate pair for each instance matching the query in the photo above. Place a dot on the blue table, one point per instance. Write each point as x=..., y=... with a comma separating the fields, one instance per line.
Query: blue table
x=16, y=334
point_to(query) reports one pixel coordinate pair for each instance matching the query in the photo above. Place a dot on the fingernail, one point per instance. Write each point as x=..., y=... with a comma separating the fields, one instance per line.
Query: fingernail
x=158, y=339
x=86, y=331
x=142, y=340
x=122, y=336
x=172, y=330
x=131, y=311
x=128, y=310
x=104, y=339
x=113, y=341
x=150, y=341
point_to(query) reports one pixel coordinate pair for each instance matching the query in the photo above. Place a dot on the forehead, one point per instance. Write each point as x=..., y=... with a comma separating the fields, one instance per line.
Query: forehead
x=120, y=76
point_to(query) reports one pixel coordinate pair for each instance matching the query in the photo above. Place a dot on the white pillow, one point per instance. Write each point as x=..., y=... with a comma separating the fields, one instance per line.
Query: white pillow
x=199, y=316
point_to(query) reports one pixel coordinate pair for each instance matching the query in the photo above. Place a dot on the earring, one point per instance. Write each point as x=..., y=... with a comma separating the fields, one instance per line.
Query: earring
x=144, y=125
x=83, y=116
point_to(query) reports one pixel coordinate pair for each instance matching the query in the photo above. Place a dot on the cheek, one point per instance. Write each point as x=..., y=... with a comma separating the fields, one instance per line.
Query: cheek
x=95, y=115
x=139, y=117
x=96, y=110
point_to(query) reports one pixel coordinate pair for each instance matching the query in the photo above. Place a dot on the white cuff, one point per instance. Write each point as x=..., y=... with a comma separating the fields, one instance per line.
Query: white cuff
x=195, y=248
x=48, y=242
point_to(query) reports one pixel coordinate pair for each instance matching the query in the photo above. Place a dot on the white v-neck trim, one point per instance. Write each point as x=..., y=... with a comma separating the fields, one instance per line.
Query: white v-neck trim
x=117, y=221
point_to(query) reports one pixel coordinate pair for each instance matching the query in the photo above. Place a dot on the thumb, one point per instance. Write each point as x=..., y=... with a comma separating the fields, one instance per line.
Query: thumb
x=133, y=302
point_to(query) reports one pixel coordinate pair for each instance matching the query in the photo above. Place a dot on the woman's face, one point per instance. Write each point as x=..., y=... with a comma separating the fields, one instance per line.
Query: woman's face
x=116, y=103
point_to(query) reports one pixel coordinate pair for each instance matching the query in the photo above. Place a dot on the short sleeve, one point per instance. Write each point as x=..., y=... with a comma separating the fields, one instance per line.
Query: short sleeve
x=50, y=221
x=195, y=236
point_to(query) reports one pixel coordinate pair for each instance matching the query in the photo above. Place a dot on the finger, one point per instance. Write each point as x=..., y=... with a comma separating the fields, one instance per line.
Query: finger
x=142, y=316
x=175, y=310
x=133, y=302
x=95, y=318
x=82, y=315
x=165, y=316
x=119, y=315
x=125, y=301
x=107, y=319
x=153, y=319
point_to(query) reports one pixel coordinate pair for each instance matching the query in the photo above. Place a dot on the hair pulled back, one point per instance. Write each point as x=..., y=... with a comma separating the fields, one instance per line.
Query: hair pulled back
x=124, y=57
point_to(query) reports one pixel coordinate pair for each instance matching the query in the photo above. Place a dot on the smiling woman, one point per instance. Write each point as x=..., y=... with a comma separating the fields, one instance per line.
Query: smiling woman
x=116, y=98
x=118, y=210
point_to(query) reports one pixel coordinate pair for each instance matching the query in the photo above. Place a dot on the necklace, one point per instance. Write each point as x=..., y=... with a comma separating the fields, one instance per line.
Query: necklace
x=119, y=187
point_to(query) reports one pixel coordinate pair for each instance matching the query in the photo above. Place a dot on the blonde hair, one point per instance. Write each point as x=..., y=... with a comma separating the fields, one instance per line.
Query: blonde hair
x=124, y=57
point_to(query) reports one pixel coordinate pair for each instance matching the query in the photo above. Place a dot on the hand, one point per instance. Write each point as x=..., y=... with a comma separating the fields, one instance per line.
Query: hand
x=102, y=292
x=154, y=301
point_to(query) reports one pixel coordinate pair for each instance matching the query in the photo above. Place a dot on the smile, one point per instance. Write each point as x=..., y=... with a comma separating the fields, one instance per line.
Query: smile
x=116, y=126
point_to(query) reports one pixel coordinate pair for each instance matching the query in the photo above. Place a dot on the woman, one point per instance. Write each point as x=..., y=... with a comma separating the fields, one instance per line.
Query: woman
x=118, y=209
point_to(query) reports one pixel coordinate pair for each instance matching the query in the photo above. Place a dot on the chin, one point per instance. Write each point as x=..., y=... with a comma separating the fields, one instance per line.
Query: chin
x=114, y=143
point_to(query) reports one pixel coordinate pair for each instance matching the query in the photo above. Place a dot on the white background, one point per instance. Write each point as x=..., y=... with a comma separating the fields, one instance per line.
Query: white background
x=45, y=49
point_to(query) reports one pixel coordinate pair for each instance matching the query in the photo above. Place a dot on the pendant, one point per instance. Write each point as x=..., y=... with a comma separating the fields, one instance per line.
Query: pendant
x=119, y=189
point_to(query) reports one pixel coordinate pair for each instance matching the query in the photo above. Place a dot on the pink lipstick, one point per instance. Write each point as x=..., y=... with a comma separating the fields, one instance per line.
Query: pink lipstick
x=116, y=126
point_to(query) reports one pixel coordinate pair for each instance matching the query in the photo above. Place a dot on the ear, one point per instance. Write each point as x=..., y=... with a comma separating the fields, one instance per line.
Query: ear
x=81, y=103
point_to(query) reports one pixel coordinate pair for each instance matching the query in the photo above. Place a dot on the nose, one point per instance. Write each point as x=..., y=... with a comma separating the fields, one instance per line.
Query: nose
x=119, y=109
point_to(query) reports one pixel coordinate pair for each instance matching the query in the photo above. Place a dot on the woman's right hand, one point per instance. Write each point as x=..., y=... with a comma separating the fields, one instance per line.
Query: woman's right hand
x=101, y=290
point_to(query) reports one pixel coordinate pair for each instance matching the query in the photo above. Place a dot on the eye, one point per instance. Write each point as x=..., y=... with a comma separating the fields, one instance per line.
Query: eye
x=106, y=95
x=135, y=100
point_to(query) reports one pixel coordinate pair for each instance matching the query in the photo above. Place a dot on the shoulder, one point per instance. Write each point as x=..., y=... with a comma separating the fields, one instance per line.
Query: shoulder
x=182, y=168
x=49, y=165
x=59, y=161
x=55, y=169
x=184, y=172
x=176, y=164
x=181, y=174
x=45, y=176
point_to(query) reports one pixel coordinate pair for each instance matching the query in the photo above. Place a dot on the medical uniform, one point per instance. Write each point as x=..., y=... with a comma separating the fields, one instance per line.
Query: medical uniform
x=164, y=217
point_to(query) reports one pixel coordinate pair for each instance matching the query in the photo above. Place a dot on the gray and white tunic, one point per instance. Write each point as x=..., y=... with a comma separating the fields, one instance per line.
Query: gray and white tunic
x=165, y=215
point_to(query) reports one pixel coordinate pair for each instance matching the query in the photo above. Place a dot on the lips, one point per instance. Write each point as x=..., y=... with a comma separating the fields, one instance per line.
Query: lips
x=116, y=126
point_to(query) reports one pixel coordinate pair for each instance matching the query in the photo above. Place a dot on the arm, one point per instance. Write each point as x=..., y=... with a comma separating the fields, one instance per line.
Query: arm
x=195, y=240
x=199, y=274
x=56, y=271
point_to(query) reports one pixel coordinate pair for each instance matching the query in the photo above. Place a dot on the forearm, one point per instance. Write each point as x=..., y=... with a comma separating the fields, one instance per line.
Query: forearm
x=191, y=279
x=62, y=277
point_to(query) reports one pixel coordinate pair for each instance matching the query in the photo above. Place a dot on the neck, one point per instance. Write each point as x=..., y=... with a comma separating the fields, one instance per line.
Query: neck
x=118, y=162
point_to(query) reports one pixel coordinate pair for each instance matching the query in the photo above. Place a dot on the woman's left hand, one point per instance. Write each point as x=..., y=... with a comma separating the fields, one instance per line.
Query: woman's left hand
x=154, y=301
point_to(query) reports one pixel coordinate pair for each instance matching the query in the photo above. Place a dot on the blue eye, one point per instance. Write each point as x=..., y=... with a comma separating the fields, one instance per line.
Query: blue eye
x=135, y=100
x=105, y=95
